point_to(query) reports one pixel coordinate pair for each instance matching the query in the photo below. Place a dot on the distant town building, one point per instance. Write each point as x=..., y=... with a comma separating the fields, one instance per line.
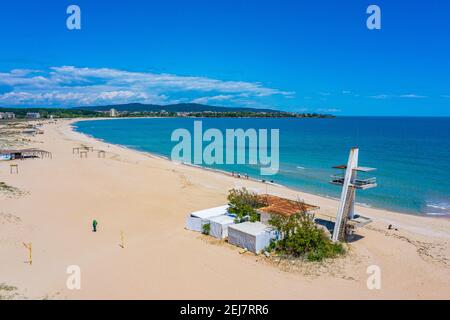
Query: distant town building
x=7, y=115
x=33, y=115
x=113, y=113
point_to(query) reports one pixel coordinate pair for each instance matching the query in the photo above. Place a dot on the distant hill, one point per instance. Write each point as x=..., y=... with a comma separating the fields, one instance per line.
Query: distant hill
x=172, y=110
x=181, y=107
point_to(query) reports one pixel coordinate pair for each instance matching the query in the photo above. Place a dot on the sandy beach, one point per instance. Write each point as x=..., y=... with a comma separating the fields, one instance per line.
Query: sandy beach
x=148, y=198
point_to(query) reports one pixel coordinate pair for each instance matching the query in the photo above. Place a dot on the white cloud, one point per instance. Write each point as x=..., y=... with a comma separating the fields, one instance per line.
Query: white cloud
x=218, y=98
x=412, y=96
x=166, y=81
x=403, y=96
x=380, y=96
x=68, y=85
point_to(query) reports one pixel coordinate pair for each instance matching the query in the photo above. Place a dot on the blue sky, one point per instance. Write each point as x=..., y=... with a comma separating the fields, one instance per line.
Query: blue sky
x=304, y=56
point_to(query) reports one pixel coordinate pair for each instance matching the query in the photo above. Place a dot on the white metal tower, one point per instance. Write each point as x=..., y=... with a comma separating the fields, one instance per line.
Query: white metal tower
x=349, y=182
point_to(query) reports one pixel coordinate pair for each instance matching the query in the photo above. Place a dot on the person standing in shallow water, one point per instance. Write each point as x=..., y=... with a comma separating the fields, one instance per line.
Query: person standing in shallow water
x=94, y=225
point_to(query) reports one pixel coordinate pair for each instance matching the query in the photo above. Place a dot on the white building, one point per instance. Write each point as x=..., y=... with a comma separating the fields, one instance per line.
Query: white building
x=113, y=113
x=218, y=226
x=196, y=220
x=253, y=236
x=33, y=115
x=7, y=115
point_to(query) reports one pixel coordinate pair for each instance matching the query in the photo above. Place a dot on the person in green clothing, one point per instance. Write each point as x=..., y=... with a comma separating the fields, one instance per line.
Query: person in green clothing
x=94, y=225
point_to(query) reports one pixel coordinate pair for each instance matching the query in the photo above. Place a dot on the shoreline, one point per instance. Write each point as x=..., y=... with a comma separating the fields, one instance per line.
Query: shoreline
x=228, y=173
x=280, y=190
x=163, y=157
x=148, y=198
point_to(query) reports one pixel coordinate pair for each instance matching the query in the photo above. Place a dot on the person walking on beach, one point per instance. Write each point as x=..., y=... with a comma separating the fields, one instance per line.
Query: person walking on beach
x=94, y=225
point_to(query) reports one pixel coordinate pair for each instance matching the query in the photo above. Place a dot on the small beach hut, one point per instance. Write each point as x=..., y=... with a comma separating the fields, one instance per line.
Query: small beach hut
x=274, y=205
x=253, y=236
x=196, y=220
x=219, y=226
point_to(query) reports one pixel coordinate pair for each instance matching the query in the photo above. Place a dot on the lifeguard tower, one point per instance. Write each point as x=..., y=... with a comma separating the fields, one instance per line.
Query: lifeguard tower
x=346, y=219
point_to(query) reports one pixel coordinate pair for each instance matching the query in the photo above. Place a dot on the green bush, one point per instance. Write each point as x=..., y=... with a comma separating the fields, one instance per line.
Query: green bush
x=206, y=228
x=302, y=238
x=243, y=204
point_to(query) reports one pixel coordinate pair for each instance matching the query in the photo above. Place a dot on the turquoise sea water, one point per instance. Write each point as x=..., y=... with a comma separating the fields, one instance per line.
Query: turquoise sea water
x=412, y=155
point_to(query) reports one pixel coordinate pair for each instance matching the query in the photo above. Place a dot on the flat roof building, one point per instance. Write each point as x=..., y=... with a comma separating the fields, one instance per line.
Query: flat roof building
x=253, y=236
x=196, y=220
x=7, y=115
x=218, y=226
x=33, y=115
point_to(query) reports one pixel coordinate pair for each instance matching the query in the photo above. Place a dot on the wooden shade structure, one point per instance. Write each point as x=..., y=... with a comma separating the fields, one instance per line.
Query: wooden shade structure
x=26, y=153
